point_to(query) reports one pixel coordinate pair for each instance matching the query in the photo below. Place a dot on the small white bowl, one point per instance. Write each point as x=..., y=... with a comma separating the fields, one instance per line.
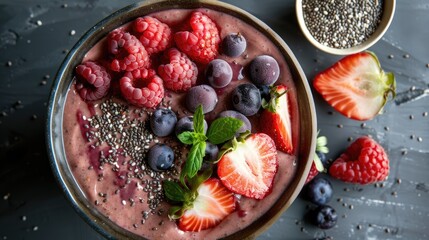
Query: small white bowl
x=386, y=19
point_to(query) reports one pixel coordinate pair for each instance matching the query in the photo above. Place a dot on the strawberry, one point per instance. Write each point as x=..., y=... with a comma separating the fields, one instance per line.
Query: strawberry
x=213, y=203
x=319, y=161
x=250, y=166
x=204, y=203
x=364, y=162
x=275, y=118
x=356, y=86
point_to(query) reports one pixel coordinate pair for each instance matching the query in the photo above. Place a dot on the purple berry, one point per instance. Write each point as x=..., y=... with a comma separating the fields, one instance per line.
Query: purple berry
x=219, y=73
x=324, y=217
x=234, y=44
x=162, y=122
x=201, y=95
x=319, y=191
x=264, y=70
x=246, y=99
x=212, y=151
x=187, y=124
x=234, y=114
x=160, y=157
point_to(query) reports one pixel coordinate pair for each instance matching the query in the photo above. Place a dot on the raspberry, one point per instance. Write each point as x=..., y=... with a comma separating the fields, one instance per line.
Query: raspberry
x=153, y=34
x=93, y=81
x=180, y=74
x=129, y=53
x=364, y=162
x=202, y=43
x=313, y=173
x=142, y=88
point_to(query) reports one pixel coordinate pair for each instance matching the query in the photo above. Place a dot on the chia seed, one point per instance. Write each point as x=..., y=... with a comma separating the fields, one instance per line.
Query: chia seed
x=341, y=24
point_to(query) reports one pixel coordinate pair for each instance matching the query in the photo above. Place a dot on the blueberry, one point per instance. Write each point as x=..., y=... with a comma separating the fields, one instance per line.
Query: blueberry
x=162, y=122
x=234, y=114
x=234, y=44
x=201, y=95
x=212, y=151
x=264, y=70
x=322, y=158
x=246, y=99
x=265, y=92
x=187, y=124
x=319, y=191
x=219, y=73
x=160, y=157
x=324, y=217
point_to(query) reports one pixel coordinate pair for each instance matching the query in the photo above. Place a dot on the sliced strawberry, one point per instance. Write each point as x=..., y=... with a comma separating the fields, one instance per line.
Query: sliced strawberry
x=213, y=203
x=250, y=167
x=276, y=120
x=356, y=86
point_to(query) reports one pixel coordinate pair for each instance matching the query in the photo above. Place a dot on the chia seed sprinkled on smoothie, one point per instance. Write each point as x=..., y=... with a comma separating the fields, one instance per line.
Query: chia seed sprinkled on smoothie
x=342, y=23
x=127, y=136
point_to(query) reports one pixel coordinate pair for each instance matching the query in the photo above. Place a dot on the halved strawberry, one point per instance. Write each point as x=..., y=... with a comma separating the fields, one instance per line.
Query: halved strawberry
x=276, y=120
x=249, y=168
x=213, y=203
x=356, y=86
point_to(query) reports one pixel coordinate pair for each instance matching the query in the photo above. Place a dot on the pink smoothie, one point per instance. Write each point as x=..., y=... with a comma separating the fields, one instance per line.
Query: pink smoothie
x=120, y=184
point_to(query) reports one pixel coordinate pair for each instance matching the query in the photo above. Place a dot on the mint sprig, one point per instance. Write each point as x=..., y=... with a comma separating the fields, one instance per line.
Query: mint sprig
x=220, y=131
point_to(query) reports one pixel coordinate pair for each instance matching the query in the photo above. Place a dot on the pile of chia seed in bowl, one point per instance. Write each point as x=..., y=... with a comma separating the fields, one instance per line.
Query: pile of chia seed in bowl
x=342, y=23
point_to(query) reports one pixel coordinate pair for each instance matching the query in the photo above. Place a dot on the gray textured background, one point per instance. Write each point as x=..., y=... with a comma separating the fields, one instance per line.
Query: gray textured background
x=32, y=207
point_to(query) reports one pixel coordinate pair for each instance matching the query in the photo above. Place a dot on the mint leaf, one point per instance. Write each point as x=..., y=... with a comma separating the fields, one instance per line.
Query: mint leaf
x=195, y=159
x=198, y=120
x=174, y=191
x=223, y=129
x=186, y=137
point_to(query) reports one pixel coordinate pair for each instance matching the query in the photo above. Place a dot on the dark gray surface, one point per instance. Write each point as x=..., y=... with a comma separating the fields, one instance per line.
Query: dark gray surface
x=32, y=207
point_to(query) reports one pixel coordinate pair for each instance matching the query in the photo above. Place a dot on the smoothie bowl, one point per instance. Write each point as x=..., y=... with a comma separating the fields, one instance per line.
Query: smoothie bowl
x=181, y=120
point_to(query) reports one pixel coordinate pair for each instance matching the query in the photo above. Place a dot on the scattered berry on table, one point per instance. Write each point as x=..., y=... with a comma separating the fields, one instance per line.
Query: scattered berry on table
x=186, y=124
x=129, y=53
x=162, y=122
x=153, y=34
x=212, y=151
x=246, y=99
x=160, y=157
x=364, y=162
x=201, y=95
x=324, y=217
x=320, y=158
x=180, y=74
x=234, y=44
x=249, y=169
x=218, y=73
x=318, y=191
x=202, y=43
x=247, y=126
x=93, y=81
x=264, y=70
x=356, y=86
x=142, y=88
